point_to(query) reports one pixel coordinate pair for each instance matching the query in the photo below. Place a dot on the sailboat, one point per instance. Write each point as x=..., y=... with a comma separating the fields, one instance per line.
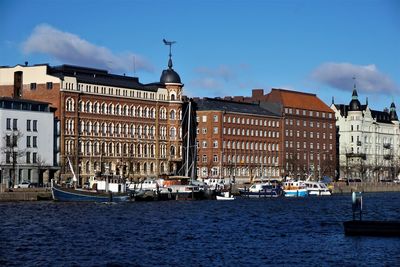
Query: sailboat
x=108, y=189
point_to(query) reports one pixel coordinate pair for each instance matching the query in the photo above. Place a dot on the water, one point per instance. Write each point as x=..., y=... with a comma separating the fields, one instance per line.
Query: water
x=244, y=232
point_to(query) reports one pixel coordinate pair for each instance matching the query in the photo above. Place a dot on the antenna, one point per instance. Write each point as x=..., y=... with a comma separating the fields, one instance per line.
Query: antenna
x=134, y=66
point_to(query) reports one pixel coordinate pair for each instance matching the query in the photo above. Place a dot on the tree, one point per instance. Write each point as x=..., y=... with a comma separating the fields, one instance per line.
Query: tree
x=12, y=152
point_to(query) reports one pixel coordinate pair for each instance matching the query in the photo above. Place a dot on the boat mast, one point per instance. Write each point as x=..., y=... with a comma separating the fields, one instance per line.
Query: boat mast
x=188, y=141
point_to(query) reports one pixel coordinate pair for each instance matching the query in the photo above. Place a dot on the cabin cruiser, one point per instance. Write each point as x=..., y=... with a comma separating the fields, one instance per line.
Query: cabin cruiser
x=317, y=188
x=295, y=189
x=264, y=189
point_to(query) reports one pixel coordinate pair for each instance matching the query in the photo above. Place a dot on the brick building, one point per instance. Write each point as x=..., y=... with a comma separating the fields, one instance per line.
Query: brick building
x=107, y=121
x=236, y=139
x=309, y=132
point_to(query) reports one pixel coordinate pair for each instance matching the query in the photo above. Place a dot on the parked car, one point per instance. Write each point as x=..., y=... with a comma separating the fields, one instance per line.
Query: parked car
x=23, y=184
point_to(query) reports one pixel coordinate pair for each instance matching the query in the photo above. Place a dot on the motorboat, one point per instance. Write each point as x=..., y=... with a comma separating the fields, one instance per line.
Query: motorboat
x=226, y=195
x=317, y=188
x=295, y=189
x=265, y=189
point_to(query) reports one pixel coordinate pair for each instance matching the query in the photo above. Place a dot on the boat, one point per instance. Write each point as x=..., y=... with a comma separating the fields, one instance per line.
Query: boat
x=295, y=189
x=226, y=195
x=317, y=188
x=60, y=193
x=103, y=188
x=180, y=188
x=264, y=189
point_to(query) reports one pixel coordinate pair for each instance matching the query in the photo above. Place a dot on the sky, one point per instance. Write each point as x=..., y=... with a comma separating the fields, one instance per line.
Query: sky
x=223, y=48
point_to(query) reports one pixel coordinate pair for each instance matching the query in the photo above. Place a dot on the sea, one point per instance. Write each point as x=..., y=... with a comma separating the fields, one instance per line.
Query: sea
x=243, y=232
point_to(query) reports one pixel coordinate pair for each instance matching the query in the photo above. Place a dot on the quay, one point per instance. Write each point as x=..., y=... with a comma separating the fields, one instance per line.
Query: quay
x=25, y=194
x=341, y=187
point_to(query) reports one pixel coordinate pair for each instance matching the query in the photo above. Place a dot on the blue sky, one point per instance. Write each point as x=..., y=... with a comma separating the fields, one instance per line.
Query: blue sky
x=223, y=47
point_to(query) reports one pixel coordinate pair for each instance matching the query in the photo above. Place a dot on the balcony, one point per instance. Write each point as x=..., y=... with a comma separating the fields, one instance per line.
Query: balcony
x=356, y=155
x=387, y=145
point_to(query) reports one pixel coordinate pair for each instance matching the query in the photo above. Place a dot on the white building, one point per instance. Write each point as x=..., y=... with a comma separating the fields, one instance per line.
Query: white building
x=27, y=141
x=368, y=141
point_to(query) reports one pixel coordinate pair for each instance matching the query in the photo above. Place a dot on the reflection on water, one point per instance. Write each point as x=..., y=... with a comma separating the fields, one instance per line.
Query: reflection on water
x=244, y=232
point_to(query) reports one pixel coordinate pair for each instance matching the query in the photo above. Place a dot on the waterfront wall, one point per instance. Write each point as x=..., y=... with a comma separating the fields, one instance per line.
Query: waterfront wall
x=341, y=187
x=26, y=194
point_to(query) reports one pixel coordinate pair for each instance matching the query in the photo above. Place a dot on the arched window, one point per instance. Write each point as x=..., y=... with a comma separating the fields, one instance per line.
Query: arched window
x=172, y=132
x=172, y=114
x=172, y=151
x=70, y=104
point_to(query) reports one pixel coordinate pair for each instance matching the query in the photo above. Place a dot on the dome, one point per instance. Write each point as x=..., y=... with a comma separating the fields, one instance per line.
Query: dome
x=170, y=76
x=355, y=105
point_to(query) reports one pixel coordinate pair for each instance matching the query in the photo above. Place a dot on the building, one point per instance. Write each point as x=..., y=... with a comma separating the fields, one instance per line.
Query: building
x=107, y=121
x=238, y=140
x=368, y=141
x=309, y=143
x=27, y=142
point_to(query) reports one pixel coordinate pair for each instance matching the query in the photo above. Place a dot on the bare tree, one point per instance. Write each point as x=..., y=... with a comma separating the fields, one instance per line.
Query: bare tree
x=12, y=152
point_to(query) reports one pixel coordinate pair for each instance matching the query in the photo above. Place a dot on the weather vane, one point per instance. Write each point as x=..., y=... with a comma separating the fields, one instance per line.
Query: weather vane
x=170, y=43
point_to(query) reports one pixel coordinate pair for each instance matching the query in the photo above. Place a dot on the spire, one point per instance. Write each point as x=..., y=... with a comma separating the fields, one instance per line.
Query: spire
x=170, y=43
x=333, y=100
x=366, y=101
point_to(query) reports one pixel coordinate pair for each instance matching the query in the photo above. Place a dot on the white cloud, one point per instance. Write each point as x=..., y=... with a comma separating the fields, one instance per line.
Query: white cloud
x=368, y=78
x=70, y=48
x=221, y=72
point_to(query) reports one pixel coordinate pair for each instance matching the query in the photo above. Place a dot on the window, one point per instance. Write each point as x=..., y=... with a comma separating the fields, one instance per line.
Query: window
x=15, y=123
x=49, y=85
x=215, y=158
x=204, y=118
x=204, y=158
x=215, y=130
x=28, y=157
x=204, y=130
x=33, y=86
x=34, y=157
x=215, y=143
x=28, y=141
x=8, y=141
x=35, y=125
x=28, y=125
x=8, y=124
x=204, y=144
x=8, y=157
x=34, y=141
x=215, y=118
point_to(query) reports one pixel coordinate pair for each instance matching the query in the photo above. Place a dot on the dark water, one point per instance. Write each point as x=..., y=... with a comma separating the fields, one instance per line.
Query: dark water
x=244, y=232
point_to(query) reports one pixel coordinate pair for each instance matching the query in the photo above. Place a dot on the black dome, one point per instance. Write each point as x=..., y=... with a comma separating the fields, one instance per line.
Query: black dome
x=170, y=76
x=354, y=105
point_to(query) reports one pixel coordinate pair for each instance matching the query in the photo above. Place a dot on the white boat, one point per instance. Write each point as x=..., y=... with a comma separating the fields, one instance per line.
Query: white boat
x=265, y=189
x=225, y=196
x=295, y=189
x=317, y=188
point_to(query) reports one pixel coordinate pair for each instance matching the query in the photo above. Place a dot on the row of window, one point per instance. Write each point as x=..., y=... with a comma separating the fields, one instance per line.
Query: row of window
x=309, y=112
x=122, y=110
x=238, y=171
x=111, y=148
x=13, y=157
x=310, y=123
x=311, y=145
x=241, y=159
x=133, y=130
x=49, y=86
x=310, y=134
x=237, y=120
x=31, y=125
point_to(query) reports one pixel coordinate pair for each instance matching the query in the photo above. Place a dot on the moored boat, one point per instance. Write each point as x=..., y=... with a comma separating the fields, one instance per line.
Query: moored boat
x=266, y=189
x=317, y=188
x=226, y=195
x=74, y=194
x=295, y=189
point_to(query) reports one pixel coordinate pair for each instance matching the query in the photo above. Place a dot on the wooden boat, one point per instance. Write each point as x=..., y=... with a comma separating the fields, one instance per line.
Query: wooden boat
x=295, y=189
x=71, y=194
x=372, y=228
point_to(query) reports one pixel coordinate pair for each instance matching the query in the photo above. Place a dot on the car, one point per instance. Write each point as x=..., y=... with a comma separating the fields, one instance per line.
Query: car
x=23, y=184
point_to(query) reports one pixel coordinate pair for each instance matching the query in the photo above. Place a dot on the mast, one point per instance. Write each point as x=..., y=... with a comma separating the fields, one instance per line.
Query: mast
x=188, y=141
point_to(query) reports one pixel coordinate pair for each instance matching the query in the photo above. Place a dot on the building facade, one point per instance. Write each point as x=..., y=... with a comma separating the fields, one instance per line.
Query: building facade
x=27, y=142
x=237, y=140
x=308, y=132
x=107, y=121
x=369, y=145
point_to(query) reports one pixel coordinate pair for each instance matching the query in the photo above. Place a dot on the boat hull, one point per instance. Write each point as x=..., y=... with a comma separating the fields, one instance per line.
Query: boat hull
x=296, y=193
x=261, y=194
x=372, y=228
x=319, y=193
x=73, y=195
x=224, y=198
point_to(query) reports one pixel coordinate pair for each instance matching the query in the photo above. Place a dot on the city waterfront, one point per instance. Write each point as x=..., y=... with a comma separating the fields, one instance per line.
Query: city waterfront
x=244, y=232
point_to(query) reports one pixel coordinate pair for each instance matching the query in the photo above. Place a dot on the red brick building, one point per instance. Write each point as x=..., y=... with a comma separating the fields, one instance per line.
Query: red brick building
x=309, y=132
x=236, y=139
x=106, y=121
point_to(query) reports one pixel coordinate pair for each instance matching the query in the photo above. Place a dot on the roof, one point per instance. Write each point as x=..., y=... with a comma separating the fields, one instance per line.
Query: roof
x=205, y=104
x=295, y=99
x=101, y=77
x=379, y=116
